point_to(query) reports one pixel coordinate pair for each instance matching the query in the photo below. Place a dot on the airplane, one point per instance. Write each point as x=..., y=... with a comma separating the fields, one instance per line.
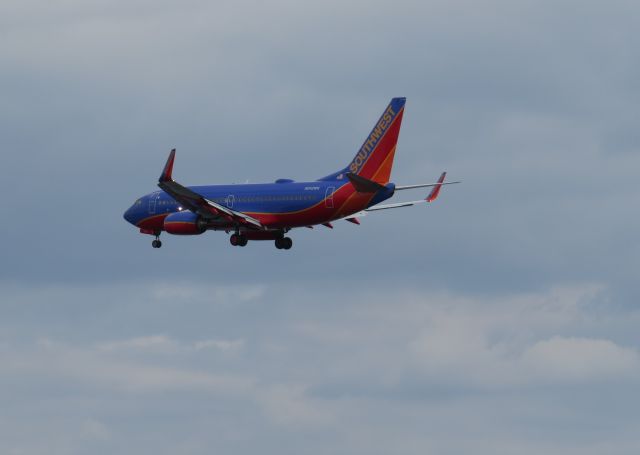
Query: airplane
x=268, y=211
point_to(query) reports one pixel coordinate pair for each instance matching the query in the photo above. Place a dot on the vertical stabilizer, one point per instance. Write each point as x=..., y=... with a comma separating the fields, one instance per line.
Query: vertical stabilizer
x=374, y=160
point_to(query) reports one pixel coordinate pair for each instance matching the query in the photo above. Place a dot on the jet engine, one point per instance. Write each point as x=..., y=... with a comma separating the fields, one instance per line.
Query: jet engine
x=184, y=223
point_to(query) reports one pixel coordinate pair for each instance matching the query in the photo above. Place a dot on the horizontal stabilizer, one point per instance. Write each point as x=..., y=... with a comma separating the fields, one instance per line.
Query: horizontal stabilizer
x=364, y=185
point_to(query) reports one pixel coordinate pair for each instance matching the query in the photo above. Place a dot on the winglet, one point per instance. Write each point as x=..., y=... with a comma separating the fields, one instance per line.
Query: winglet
x=168, y=168
x=436, y=189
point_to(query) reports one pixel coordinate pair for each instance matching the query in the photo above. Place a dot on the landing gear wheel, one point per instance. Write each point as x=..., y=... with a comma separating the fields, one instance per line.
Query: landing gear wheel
x=284, y=243
x=238, y=240
x=156, y=243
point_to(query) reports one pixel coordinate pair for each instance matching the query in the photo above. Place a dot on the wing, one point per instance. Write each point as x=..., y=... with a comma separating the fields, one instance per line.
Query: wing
x=197, y=203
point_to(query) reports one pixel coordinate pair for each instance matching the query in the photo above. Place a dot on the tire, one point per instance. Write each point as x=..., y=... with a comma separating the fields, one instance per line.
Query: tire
x=234, y=239
x=287, y=243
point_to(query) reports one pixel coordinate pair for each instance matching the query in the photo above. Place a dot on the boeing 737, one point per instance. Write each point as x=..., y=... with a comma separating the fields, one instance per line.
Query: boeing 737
x=268, y=211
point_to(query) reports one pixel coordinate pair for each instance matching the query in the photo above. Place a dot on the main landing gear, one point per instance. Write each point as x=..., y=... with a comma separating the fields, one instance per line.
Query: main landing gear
x=156, y=243
x=284, y=243
x=238, y=240
x=281, y=242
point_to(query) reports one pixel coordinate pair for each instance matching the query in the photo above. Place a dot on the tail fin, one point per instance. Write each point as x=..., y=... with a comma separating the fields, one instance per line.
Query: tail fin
x=374, y=160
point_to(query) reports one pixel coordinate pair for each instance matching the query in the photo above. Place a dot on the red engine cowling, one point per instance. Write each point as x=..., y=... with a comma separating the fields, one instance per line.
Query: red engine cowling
x=184, y=223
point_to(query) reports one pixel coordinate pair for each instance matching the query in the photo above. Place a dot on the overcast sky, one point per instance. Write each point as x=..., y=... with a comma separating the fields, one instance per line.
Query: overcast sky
x=500, y=319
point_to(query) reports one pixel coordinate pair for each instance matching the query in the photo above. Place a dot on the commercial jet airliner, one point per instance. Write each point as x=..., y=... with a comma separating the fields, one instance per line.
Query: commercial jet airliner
x=268, y=211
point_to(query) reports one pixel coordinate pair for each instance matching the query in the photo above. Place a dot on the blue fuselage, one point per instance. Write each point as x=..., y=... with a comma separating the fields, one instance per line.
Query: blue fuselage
x=286, y=204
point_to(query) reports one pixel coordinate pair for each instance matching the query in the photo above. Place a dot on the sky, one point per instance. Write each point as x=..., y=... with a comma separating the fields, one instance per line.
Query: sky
x=500, y=319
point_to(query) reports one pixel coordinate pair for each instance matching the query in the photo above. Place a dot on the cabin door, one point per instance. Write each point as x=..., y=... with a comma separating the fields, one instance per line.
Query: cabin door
x=328, y=197
x=153, y=201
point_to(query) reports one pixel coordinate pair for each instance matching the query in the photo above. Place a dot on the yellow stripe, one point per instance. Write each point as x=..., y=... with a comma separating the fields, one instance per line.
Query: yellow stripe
x=380, y=140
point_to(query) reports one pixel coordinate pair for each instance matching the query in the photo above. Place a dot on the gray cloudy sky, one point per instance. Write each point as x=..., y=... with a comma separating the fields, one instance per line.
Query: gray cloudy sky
x=501, y=319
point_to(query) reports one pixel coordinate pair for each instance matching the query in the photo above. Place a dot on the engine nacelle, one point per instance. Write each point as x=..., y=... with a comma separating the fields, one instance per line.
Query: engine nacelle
x=184, y=223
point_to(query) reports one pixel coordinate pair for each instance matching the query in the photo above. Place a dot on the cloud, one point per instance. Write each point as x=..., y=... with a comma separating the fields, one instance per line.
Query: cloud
x=99, y=367
x=292, y=406
x=167, y=345
x=227, y=294
x=96, y=430
x=307, y=363
x=158, y=343
x=579, y=359
x=515, y=342
x=223, y=345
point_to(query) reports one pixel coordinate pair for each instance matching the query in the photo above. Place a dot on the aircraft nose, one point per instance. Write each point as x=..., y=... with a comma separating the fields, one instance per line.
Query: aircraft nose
x=128, y=215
